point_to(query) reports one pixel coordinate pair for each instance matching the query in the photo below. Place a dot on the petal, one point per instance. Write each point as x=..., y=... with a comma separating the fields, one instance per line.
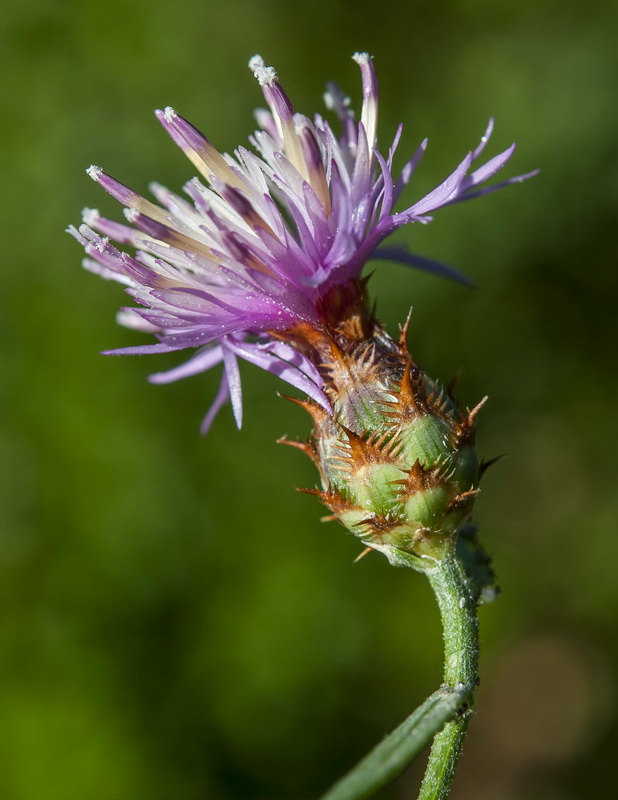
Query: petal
x=266, y=357
x=203, y=360
x=222, y=396
x=232, y=375
x=442, y=193
x=488, y=170
x=399, y=254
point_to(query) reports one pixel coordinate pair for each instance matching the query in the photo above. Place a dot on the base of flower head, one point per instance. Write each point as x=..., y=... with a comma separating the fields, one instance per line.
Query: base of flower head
x=396, y=457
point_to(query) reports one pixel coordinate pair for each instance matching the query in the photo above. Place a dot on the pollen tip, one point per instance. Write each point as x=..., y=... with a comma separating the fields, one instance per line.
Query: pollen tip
x=94, y=172
x=90, y=216
x=99, y=243
x=362, y=58
x=169, y=114
x=131, y=214
x=265, y=75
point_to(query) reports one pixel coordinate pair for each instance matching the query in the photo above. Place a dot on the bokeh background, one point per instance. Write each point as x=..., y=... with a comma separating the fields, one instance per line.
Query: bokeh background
x=176, y=623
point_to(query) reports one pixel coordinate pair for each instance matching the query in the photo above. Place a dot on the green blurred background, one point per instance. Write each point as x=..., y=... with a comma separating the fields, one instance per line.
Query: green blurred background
x=176, y=623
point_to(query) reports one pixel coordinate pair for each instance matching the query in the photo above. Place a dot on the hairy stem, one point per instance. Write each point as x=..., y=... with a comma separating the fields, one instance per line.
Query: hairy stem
x=444, y=715
x=457, y=606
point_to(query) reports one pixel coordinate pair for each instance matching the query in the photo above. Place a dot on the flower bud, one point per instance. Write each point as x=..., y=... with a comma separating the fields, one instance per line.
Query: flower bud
x=396, y=458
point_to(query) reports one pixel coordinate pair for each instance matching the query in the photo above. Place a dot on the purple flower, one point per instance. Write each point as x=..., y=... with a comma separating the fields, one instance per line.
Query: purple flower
x=255, y=255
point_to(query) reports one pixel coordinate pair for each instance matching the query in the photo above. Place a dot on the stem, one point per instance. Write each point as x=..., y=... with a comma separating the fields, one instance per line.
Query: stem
x=391, y=757
x=457, y=606
x=445, y=713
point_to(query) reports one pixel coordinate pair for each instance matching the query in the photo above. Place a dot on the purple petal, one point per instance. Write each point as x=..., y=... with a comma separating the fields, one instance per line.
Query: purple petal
x=400, y=255
x=387, y=201
x=266, y=121
x=222, y=396
x=488, y=170
x=369, y=111
x=442, y=193
x=232, y=375
x=124, y=195
x=338, y=102
x=265, y=357
x=122, y=234
x=361, y=177
x=408, y=170
x=143, y=350
x=494, y=188
x=484, y=139
x=202, y=361
x=392, y=149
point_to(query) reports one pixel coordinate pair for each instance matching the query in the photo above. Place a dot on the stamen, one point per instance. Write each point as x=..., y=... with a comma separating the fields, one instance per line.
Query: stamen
x=264, y=75
x=243, y=254
x=203, y=155
x=369, y=113
x=243, y=207
x=127, y=196
x=90, y=216
x=122, y=234
x=282, y=111
x=313, y=158
x=164, y=233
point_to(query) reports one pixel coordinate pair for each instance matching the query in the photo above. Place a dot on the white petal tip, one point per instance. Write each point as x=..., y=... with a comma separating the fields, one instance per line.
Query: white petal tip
x=99, y=243
x=130, y=320
x=264, y=75
x=131, y=214
x=90, y=216
x=331, y=101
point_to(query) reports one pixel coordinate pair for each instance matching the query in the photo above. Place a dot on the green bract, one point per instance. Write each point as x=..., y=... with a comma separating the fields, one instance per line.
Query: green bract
x=396, y=459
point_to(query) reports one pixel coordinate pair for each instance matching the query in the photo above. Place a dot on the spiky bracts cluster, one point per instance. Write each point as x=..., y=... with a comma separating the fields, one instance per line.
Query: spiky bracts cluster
x=396, y=458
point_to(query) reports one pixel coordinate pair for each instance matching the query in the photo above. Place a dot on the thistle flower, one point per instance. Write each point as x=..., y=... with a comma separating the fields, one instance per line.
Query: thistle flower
x=264, y=263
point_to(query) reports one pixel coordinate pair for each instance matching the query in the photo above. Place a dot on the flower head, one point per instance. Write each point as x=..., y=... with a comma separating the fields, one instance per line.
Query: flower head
x=268, y=249
x=264, y=263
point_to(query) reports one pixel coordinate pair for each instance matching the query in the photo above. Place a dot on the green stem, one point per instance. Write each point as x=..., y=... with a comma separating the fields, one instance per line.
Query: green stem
x=457, y=606
x=394, y=753
x=445, y=713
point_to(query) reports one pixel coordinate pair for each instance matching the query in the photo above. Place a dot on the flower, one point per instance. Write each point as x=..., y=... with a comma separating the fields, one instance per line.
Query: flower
x=265, y=259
